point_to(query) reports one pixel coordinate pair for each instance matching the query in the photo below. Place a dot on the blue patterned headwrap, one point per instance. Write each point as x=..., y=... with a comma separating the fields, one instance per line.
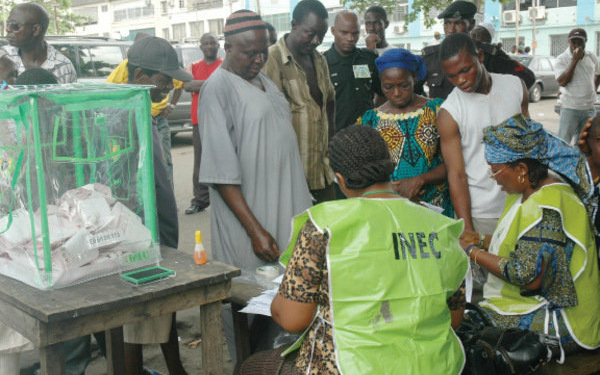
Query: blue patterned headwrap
x=520, y=138
x=402, y=58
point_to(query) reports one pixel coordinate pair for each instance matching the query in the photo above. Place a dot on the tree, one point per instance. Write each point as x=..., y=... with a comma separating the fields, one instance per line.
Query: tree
x=59, y=12
x=419, y=7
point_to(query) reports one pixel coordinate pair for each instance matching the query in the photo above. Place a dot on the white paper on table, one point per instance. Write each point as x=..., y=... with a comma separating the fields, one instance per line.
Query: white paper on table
x=261, y=304
x=278, y=279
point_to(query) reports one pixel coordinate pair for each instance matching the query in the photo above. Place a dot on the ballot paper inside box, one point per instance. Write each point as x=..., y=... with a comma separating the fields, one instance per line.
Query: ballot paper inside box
x=76, y=183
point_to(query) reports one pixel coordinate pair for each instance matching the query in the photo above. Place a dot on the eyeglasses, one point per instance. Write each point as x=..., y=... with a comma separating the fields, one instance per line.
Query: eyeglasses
x=492, y=174
x=15, y=26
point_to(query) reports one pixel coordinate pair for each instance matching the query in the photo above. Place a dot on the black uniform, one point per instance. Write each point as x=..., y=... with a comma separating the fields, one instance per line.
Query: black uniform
x=495, y=61
x=356, y=80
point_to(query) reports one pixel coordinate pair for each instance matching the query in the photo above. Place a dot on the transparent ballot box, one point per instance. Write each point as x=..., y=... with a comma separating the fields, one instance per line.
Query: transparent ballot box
x=76, y=183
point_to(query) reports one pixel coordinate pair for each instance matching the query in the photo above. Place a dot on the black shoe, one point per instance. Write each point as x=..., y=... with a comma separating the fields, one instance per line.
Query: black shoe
x=193, y=209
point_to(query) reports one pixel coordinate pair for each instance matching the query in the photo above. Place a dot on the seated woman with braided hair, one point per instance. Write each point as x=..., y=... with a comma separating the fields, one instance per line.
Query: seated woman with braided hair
x=373, y=280
x=543, y=269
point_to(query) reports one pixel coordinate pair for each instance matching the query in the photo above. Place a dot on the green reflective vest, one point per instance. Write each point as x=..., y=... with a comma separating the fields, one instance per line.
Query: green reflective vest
x=582, y=320
x=392, y=265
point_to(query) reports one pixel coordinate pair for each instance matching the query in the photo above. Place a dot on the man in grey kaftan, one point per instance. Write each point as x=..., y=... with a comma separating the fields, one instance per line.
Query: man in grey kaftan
x=249, y=141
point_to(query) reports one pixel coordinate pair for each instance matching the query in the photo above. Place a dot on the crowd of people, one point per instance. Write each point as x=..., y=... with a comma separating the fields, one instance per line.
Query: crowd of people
x=392, y=195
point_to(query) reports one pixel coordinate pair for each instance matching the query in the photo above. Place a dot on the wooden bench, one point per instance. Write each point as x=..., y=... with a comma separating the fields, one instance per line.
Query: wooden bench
x=583, y=363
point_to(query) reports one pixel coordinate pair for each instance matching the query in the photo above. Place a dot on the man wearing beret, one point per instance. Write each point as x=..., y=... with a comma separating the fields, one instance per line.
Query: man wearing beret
x=459, y=18
x=577, y=72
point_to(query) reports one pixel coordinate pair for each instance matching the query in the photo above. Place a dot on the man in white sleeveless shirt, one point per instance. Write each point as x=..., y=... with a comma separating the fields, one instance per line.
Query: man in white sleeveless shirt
x=480, y=99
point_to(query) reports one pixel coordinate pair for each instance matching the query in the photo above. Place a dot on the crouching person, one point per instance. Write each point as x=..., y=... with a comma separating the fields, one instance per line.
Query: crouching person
x=370, y=279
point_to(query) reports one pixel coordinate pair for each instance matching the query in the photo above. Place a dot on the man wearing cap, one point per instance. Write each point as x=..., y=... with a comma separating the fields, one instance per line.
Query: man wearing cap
x=459, y=18
x=159, y=110
x=302, y=75
x=25, y=30
x=250, y=160
x=153, y=61
x=577, y=72
x=484, y=33
x=352, y=71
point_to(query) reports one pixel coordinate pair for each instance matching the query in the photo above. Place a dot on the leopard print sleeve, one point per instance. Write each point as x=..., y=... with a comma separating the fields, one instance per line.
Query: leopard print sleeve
x=304, y=273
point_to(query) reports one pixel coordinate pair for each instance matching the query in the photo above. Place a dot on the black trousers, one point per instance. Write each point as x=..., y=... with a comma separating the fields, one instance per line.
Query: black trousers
x=200, y=190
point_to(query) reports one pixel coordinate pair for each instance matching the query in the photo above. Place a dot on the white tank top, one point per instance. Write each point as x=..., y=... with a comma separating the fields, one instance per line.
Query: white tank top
x=473, y=112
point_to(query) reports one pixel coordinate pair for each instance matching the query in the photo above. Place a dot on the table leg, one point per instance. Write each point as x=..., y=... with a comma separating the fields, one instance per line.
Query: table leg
x=211, y=327
x=241, y=333
x=115, y=351
x=52, y=359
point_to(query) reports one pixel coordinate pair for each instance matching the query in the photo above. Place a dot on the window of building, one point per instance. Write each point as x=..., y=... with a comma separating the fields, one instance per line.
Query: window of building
x=196, y=29
x=120, y=15
x=179, y=31
x=400, y=12
x=166, y=34
x=508, y=43
x=104, y=8
x=205, y=4
x=281, y=22
x=216, y=26
x=182, y=3
x=90, y=14
x=558, y=44
x=163, y=7
x=524, y=4
x=597, y=43
x=133, y=13
x=148, y=11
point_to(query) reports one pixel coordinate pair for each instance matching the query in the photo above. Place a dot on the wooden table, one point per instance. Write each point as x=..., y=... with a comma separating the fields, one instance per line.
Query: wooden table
x=48, y=318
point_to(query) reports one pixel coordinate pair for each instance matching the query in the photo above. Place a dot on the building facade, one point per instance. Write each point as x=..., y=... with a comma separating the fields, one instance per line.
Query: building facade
x=547, y=22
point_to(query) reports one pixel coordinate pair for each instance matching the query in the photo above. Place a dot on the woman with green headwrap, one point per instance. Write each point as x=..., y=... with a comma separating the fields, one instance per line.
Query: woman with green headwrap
x=543, y=269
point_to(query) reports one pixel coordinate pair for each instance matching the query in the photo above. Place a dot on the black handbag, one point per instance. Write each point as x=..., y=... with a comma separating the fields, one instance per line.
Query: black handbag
x=491, y=350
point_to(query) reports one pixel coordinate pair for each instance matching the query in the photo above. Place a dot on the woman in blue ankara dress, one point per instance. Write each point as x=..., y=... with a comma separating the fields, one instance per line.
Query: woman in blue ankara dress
x=407, y=122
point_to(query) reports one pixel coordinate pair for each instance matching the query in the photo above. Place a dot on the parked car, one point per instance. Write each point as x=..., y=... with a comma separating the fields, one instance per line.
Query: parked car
x=94, y=58
x=180, y=117
x=545, y=81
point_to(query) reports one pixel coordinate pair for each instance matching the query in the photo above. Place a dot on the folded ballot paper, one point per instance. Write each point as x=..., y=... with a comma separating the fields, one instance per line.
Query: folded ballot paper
x=262, y=304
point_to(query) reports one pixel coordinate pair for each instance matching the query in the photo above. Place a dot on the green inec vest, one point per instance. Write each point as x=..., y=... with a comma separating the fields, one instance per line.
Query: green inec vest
x=583, y=320
x=392, y=265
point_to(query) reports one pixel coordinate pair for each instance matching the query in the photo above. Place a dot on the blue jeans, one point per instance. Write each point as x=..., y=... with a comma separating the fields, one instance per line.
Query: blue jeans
x=572, y=121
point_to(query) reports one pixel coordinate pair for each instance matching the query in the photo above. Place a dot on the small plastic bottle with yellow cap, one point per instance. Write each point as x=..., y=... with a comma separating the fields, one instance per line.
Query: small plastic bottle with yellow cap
x=199, y=252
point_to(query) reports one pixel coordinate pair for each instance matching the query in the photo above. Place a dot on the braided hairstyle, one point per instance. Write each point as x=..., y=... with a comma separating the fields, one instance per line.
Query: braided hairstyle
x=359, y=153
